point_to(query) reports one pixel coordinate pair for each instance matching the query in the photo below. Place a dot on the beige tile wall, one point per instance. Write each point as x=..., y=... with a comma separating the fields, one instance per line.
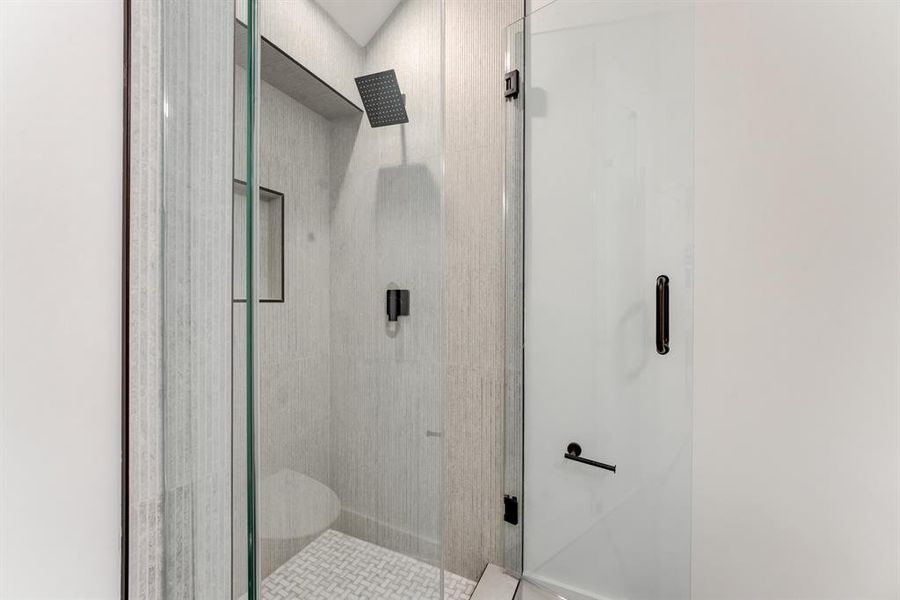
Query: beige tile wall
x=475, y=422
x=145, y=316
x=386, y=231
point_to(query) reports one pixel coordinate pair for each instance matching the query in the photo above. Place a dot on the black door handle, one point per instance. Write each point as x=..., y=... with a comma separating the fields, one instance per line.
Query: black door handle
x=662, y=314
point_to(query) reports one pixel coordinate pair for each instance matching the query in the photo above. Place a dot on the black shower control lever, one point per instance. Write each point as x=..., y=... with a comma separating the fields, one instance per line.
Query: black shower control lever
x=397, y=304
x=573, y=452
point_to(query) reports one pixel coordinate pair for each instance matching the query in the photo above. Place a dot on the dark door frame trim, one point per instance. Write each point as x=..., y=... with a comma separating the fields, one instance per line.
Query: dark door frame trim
x=126, y=285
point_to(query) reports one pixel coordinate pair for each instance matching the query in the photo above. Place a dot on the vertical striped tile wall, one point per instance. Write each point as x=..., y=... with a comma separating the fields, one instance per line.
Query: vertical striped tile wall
x=197, y=79
x=475, y=422
x=145, y=317
x=387, y=379
x=180, y=297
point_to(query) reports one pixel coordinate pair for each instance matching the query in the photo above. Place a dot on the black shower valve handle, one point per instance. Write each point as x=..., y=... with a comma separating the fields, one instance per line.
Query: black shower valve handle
x=397, y=304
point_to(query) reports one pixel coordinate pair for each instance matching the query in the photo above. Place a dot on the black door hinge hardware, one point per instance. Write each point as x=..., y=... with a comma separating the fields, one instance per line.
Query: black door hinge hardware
x=511, y=509
x=511, y=84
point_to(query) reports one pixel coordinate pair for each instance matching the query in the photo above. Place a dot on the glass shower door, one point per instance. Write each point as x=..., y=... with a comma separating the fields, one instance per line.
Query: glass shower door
x=607, y=280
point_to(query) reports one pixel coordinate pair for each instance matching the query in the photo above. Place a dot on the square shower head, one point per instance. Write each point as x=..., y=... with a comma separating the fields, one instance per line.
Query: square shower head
x=382, y=99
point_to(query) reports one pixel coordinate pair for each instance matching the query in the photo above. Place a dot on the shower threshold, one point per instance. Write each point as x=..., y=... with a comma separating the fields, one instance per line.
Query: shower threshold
x=497, y=583
x=337, y=565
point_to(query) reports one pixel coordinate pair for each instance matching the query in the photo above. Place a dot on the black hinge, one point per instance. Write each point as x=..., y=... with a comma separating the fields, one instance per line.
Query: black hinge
x=511, y=84
x=511, y=509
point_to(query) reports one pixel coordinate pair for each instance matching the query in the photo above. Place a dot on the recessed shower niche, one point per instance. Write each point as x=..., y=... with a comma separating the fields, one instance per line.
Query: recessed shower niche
x=270, y=278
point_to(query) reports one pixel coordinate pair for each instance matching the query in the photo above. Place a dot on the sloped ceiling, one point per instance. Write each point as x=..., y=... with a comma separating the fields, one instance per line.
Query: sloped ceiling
x=359, y=18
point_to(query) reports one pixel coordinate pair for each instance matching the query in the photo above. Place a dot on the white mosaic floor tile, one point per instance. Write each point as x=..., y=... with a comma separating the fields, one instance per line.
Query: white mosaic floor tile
x=337, y=566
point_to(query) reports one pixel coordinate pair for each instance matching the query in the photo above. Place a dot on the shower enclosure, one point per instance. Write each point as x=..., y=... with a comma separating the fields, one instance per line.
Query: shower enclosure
x=295, y=358
x=598, y=196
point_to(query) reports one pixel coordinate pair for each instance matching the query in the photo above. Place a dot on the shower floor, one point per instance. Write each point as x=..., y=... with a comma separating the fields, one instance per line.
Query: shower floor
x=337, y=565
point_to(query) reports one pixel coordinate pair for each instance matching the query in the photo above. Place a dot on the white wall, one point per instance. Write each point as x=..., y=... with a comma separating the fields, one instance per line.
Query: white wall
x=797, y=301
x=60, y=260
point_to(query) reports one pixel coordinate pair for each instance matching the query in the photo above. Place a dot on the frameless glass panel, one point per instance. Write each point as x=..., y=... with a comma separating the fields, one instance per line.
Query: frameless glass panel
x=608, y=209
x=348, y=408
x=513, y=209
x=196, y=74
x=245, y=202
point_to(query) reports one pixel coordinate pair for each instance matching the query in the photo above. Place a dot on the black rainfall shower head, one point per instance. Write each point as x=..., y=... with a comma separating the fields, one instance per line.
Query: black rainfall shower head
x=382, y=99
